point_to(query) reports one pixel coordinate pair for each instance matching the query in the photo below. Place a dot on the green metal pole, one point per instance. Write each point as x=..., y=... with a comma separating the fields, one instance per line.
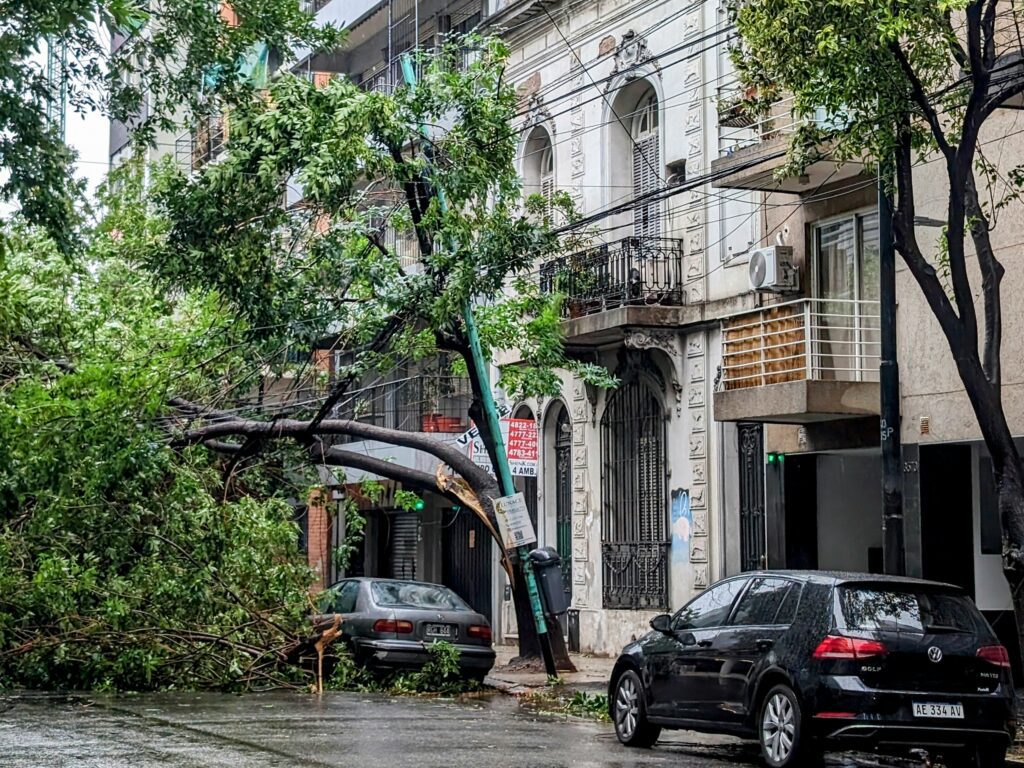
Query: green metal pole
x=504, y=474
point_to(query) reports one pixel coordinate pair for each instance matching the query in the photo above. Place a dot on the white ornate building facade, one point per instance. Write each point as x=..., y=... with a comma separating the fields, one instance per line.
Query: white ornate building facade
x=619, y=109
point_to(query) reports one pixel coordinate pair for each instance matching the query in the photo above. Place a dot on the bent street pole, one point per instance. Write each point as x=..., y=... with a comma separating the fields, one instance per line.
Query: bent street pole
x=893, y=548
x=481, y=368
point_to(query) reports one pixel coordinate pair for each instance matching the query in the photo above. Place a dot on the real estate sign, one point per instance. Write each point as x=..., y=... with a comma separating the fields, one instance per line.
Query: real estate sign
x=520, y=436
x=514, y=521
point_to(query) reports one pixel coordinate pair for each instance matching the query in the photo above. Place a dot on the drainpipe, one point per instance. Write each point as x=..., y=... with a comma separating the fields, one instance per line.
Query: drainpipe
x=893, y=545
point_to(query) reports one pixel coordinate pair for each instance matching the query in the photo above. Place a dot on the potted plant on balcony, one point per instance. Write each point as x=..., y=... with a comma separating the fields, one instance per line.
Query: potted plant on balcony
x=430, y=414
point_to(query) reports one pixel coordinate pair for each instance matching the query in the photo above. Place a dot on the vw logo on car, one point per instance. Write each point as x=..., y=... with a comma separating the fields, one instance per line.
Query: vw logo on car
x=935, y=654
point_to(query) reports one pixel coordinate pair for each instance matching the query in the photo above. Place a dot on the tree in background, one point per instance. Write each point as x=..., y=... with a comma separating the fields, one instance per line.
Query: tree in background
x=174, y=60
x=910, y=82
x=358, y=169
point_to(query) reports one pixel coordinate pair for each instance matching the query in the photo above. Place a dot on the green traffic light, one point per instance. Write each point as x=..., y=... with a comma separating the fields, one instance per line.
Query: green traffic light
x=419, y=505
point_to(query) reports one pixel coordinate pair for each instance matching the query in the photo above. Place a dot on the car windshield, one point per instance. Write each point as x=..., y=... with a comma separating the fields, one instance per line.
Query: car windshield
x=896, y=610
x=404, y=594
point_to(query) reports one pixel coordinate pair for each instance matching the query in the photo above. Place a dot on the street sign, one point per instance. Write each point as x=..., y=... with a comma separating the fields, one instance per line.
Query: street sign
x=514, y=521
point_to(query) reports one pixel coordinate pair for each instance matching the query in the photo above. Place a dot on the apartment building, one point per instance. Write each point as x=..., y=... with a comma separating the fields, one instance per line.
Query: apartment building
x=619, y=109
x=800, y=380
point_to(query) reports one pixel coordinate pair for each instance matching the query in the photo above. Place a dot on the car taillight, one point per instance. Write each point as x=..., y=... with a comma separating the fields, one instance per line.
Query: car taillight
x=398, y=627
x=480, y=631
x=994, y=654
x=838, y=647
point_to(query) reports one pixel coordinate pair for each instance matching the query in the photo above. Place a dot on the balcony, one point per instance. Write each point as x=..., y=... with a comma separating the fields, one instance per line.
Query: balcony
x=194, y=149
x=415, y=404
x=800, y=362
x=634, y=281
x=752, y=145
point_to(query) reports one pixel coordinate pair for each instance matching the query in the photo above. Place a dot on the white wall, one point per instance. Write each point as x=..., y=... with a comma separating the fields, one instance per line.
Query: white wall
x=847, y=526
x=991, y=592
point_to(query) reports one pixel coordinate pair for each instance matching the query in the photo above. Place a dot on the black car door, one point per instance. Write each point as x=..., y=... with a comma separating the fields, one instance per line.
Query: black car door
x=748, y=644
x=692, y=673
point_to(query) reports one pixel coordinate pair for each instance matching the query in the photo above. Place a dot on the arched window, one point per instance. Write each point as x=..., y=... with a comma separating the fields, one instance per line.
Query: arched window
x=634, y=506
x=539, y=165
x=646, y=151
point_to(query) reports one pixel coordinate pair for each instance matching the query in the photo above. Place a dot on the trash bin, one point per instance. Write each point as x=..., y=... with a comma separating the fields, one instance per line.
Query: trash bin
x=547, y=565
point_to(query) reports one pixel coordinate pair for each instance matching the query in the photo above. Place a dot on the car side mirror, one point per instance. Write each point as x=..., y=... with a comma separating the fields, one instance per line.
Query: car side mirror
x=662, y=623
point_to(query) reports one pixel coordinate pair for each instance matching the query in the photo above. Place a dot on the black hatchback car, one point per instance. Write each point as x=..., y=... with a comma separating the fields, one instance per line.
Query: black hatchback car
x=806, y=661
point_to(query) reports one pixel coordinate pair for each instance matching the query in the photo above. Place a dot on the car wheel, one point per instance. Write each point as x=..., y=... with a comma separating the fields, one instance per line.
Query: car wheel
x=780, y=730
x=629, y=713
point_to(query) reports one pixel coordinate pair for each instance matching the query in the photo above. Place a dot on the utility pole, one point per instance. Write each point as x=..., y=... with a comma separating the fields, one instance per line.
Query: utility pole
x=481, y=367
x=893, y=546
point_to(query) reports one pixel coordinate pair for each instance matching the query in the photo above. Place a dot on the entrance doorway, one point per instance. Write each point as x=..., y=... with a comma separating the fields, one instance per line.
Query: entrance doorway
x=466, y=556
x=947, y=516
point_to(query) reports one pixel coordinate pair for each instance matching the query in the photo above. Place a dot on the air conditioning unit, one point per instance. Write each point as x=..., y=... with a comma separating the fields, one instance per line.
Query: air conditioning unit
x=772, y=269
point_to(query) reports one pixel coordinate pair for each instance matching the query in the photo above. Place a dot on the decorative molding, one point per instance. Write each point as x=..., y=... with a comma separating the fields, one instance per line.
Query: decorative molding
x=696, y=418
x=579, y=457
x=700, y=577
x=695, y=345
x=698, y=549
x=631, y=53
x=700, y=522
x=664, y=341
x=537, y=113
x=698, y=498
x=578, y=434
x=699, y=473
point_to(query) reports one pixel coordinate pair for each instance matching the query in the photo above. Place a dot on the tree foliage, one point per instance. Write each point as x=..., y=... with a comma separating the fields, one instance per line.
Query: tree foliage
x=172, y=60
x=125, y=564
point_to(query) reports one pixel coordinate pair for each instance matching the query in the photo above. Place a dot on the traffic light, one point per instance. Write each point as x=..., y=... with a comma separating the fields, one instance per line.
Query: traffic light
x=776, y=458
x=419, y=504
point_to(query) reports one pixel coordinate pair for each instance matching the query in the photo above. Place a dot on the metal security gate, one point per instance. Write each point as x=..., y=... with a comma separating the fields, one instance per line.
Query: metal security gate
x=563, y=497
x=403, y=537
x=466, y=554
x=753, y=533
x=634, y=509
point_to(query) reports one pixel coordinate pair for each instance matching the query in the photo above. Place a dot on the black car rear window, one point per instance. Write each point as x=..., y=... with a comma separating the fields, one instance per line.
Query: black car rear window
x=887, y=610
x=401, y=594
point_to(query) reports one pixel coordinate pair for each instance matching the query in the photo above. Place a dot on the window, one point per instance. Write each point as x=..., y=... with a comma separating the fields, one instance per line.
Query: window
x=539, y=166
x=845, y=285
x=762, y=603
x=891, y=610
x=710, y=609
x=404, y=594
x=345, y=595
x=646, y=164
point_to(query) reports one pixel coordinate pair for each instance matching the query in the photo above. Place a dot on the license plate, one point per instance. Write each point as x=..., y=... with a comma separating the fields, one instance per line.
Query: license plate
x=440, y=630
x=931, y=709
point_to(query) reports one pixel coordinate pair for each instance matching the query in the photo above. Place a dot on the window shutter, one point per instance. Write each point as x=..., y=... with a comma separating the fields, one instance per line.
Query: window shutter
x=646, y=216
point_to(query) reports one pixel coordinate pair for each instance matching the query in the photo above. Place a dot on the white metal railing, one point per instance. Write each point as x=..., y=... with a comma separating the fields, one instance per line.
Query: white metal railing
x=740, y=127
x=806, y=339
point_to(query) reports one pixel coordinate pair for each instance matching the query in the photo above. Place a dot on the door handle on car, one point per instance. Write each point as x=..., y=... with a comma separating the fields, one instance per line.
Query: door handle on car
x=704, y=643
x=764, y=644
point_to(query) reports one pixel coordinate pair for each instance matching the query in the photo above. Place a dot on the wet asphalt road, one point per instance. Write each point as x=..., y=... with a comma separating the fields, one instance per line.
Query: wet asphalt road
x=290, y=730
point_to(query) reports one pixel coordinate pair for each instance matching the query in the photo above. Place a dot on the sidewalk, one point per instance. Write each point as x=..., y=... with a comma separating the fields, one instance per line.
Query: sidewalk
x=591, y=676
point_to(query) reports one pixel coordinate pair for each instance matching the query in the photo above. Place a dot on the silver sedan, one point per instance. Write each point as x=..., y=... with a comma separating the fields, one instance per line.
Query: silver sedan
x=389, y=624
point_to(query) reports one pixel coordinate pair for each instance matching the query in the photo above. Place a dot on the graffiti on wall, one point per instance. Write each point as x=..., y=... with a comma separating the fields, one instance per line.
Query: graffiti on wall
x=682, y=525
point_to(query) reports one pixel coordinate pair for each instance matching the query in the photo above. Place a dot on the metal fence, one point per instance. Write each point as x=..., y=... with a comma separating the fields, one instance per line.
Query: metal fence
x=634, y=270
x=414, y=404
x=807, y=339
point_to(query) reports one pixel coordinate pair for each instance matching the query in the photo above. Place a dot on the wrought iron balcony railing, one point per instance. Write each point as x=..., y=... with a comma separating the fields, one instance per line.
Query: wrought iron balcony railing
x=635, y=575
x=803, y=340
x=635, y=270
